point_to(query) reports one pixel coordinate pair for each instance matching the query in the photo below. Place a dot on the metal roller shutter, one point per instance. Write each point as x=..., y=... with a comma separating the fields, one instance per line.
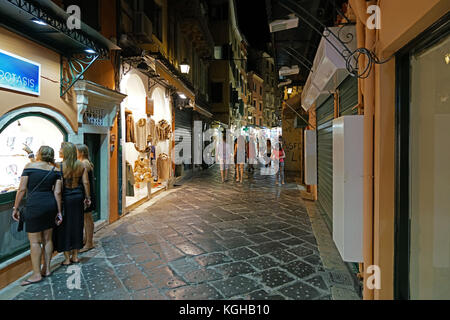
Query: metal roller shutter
x=183, y=120
x=348, y=97
x=325, y=115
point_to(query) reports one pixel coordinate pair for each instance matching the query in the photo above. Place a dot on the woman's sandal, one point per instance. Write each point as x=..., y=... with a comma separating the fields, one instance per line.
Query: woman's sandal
x=75, y=261
x=28, y=282
x=66, y=264
x=84, y=250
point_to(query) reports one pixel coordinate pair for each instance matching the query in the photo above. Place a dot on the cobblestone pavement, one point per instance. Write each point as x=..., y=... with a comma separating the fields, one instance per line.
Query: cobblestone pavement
x=203, y=240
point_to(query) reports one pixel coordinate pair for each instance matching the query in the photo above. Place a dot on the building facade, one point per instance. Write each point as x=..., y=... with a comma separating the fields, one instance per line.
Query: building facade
x=228, y=66
x=131, y=101
x=66, y=103
x=256, y=108
x=264, y=65
x=167, y=46
x=402, y=216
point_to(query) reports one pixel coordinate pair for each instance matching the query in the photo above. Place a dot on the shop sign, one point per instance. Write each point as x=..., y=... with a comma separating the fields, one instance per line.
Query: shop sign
x=19, y=74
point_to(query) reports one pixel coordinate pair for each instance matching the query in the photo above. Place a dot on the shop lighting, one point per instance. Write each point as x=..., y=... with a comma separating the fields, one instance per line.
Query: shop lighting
x=182, y=95
x=89, y=51
x=39, y=22
x=289, y=90
x=185, y=67
x=447, y=58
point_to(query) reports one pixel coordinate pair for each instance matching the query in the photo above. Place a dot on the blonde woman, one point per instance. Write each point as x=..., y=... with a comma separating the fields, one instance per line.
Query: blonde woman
x=69, y=235
x=41, y=181
x=83, y=156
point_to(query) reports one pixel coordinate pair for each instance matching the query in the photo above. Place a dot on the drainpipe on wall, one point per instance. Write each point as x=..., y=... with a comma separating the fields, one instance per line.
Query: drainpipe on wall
x=368, y=101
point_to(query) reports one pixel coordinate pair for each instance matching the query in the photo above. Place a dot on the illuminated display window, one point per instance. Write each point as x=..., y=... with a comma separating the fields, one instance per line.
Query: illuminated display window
x=33, y=131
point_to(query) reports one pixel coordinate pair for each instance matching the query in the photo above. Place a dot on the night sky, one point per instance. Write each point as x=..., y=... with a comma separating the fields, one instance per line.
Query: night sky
x=253, y=22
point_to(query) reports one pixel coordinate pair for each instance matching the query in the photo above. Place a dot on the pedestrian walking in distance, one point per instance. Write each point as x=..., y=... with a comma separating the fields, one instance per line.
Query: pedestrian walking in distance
x=239, y=157
x=223, y=157
x=279, y=155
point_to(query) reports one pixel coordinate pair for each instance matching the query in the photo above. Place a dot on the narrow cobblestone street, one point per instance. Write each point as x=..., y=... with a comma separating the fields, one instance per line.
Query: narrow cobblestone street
x=204, y=240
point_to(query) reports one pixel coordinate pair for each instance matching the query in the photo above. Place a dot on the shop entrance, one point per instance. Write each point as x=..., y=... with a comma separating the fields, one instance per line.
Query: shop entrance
x=93, y=142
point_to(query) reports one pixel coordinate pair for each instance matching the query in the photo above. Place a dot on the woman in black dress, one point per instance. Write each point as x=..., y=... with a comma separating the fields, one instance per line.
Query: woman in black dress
x=83, y=156
x=41, y=180
x=69, y=235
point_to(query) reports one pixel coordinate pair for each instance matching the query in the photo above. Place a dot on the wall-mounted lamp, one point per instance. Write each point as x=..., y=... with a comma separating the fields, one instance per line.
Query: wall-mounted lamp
x=289, y=90
x=181, y=95
x=185, y=67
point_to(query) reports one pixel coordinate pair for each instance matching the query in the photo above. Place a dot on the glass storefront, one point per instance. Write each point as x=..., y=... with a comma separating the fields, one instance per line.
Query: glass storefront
x=148, y=137
x=33, y=131
x=429, y=193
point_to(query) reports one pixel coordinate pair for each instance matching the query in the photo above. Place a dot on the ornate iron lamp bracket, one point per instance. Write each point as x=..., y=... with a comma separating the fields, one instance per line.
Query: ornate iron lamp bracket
x=73, y=69
x=351, y=57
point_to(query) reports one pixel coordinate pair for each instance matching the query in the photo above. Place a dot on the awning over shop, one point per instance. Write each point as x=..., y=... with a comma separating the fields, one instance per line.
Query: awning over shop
x=202, y=106
x=203, y=111
x=42, y=21
x=162, y=70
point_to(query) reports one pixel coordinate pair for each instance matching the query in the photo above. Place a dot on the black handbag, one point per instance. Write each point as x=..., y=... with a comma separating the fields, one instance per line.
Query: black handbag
x=22, y=210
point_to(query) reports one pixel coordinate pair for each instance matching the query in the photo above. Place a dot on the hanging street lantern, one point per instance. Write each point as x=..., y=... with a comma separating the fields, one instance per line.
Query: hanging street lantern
x=185, y=67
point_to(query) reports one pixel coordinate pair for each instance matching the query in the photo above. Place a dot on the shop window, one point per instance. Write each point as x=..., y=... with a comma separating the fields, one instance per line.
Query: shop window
x=13, y=160
x=429, y=273
x=217, y=92
x=12, y=140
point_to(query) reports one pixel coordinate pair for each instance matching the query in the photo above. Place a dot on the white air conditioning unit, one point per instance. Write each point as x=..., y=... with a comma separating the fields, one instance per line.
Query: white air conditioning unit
x=348, y=133
x=286, y=71
x=310, y=157
x=143, y=27
x=330, y=68
x=281, y=25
